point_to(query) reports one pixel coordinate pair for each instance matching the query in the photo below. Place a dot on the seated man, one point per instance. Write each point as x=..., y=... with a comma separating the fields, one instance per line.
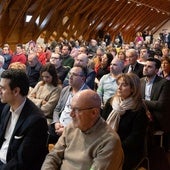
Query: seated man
x=155, y=92
x=23, y=134
x=33, y=69
x=82, y=60
x=107, y=85
x=61, y=114
x=133, y=66
x=88, y=143
x=62, y=71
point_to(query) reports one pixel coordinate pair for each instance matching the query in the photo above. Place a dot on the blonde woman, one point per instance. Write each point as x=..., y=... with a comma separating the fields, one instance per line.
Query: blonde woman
x=125, y=113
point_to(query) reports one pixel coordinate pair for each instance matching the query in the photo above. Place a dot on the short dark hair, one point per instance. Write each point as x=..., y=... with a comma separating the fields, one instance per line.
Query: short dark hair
x=19, y=45
x=18, y=79
x=157, y=62
x=84, y=70
x=50, y=68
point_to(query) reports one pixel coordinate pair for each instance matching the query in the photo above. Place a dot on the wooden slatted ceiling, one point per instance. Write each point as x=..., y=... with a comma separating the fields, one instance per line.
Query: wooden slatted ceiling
x=72, y=19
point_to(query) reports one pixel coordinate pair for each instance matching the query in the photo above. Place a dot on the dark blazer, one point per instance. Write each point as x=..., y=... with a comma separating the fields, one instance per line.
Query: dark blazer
x=28, y=145
x=33, y=74
x=132, y=131
x=159, y=103
x=138, y=70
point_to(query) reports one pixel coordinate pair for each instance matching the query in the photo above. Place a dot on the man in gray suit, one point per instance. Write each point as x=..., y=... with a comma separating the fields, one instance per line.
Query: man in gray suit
x=61, y=114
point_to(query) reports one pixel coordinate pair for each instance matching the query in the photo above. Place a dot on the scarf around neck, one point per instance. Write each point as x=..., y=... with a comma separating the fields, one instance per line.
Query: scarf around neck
x=119, y=108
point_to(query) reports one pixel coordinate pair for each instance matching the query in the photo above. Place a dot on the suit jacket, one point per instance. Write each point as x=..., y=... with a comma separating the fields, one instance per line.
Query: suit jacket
x=28, y=144
x=33, y=74
x=159, y=103
x=138, y=70
x=62, y=101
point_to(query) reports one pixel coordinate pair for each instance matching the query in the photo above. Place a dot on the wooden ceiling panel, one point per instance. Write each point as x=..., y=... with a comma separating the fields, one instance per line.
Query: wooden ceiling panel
x=82, y=18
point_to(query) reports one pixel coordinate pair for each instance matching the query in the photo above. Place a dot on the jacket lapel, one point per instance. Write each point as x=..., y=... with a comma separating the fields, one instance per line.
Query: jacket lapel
x=22, y=116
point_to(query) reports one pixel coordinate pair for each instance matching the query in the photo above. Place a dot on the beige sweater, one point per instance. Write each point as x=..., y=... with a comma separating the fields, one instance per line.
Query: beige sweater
x=97, y=149
x=46, y=97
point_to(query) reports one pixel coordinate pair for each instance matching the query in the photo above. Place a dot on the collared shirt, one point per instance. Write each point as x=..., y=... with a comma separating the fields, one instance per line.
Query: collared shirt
x=9, y=131
x=148, y=88
x=65, y=117
x=107, y=87
x=131, y=68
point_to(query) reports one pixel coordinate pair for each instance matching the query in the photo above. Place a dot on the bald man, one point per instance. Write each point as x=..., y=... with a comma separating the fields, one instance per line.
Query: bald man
x=33, y=69
x=87, y=143
x=82, y=60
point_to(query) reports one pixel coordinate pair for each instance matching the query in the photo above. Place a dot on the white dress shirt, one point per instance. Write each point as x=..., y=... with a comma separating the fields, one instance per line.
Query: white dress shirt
x=9, y=131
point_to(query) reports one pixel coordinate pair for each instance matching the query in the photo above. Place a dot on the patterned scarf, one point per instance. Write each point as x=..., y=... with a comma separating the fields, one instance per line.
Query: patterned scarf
x=119, y=108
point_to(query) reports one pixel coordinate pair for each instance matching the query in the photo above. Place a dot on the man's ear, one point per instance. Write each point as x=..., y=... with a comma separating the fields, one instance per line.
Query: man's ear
x=95, y=111
x=16, y=91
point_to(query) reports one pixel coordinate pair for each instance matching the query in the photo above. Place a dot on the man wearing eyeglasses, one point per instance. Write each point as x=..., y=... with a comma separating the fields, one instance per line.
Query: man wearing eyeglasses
x=62, y=71
x=87, y=143
x=61, y=114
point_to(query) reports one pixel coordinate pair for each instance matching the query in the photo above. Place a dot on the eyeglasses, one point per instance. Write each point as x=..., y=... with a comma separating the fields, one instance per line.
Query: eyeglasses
x=55, y=58
x=77, y=110
x=75, y=74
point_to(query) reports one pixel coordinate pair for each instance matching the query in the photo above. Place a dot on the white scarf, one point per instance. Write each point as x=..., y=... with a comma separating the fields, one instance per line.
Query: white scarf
x=119, y=108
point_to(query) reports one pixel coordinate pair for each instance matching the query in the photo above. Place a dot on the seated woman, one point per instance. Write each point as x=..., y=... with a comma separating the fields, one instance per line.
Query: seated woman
x=126, y=114
x=104, y=67
x=165, y=68
x=46, y=93
x=122, y=56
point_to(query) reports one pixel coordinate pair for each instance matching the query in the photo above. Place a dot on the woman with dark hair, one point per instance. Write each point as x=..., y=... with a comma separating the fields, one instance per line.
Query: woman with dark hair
x=104, y=67
x=46, y=93
x=165, y=68
x=126, y=114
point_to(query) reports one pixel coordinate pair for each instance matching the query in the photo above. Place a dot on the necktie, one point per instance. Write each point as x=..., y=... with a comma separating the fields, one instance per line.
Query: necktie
x=130, y=69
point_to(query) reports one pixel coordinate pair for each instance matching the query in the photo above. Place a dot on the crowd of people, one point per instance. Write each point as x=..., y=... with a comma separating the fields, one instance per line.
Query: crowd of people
x=91, y=100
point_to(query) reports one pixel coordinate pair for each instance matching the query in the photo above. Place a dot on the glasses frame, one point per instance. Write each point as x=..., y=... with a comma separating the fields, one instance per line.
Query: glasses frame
x=77, y=110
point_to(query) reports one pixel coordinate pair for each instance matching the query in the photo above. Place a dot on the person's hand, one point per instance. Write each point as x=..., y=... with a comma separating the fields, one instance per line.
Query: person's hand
x=59, y=128
x=33, y=95
x=43, y=102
